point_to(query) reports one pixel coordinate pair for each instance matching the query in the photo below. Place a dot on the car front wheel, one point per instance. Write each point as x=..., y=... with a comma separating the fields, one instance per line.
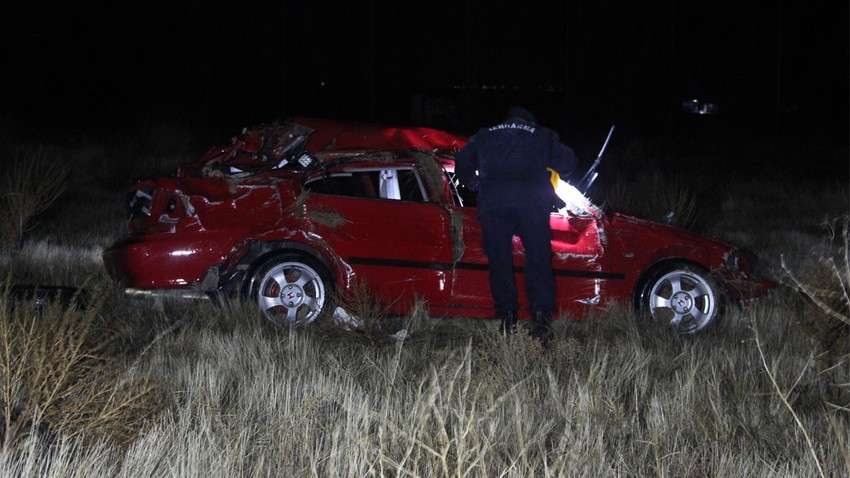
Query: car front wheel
x=682, y=296
x=291, y=289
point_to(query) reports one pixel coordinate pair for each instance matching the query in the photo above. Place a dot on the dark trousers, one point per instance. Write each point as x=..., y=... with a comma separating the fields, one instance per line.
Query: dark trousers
x=532, y=227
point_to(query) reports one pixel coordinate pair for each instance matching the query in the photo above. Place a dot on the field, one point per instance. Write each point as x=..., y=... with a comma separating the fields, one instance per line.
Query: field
x=132, y=387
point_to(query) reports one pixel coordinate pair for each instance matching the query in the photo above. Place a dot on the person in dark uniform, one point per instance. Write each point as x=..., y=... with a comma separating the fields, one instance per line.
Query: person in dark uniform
x=506, y=164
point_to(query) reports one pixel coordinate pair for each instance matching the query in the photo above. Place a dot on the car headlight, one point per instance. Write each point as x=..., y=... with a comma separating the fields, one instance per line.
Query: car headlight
x=574, y=200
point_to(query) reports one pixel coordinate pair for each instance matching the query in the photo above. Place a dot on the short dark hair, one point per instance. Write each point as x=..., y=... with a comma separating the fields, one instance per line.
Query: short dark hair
x=520, y=113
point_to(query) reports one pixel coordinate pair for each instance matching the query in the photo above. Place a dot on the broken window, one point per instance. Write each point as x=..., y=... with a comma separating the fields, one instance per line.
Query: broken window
x=398, y=184
x=353, y=184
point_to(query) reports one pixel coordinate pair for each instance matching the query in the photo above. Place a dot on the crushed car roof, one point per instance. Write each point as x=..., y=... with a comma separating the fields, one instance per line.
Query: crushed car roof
x=275, y=145
x=330, y=135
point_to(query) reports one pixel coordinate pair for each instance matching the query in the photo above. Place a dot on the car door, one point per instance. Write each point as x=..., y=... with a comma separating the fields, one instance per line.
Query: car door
x=577, y=250
x=380, y=222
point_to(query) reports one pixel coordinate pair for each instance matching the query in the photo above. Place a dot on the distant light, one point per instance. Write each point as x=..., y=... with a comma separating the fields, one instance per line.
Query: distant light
x=698, y=107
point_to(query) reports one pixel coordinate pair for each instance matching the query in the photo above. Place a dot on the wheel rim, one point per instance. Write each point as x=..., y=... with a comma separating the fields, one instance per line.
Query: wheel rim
x=291, y=293
x=684, y=300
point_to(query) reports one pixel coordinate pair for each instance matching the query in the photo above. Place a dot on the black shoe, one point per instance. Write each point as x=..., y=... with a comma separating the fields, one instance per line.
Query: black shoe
x=540, y=328
x=509, y=323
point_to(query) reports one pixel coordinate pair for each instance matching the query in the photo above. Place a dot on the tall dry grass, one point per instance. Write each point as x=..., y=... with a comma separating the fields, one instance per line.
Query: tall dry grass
x=666, y=198
x=64, y=376
x=607, y=398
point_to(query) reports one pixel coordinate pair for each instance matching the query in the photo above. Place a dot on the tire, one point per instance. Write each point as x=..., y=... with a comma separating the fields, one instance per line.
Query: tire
x=682, y=296
x=291, y=289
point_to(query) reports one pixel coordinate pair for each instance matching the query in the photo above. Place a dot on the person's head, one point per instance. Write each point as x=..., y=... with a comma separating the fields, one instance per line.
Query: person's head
x=518, y=113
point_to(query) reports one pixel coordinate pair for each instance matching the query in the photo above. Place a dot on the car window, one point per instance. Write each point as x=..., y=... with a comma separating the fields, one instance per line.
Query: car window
x=398, y=184
x=410, y=188
x=362, y=184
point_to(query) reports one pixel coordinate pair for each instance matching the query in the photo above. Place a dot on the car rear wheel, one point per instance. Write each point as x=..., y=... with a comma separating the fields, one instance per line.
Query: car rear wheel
x=683, y=296
x=291, y=289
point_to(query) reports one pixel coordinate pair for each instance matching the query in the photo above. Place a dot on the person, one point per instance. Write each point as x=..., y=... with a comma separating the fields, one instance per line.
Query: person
x=507, y=164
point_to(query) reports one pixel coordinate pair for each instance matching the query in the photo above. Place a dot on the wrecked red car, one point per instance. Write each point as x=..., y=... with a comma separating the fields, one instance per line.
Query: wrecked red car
x=296, y=214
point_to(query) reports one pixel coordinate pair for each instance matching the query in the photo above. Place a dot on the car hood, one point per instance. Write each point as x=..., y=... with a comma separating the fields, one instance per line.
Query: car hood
x=652, y=231
x=654, y=241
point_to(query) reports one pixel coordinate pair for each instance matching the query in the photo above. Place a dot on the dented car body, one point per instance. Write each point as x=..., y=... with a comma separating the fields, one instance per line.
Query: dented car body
x=293, y=215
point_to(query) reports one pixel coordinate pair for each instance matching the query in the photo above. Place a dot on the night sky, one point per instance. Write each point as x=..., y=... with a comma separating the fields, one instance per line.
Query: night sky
x=96, y=67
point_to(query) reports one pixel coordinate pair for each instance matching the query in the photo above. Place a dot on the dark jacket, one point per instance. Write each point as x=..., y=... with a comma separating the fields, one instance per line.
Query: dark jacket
x=511, y=160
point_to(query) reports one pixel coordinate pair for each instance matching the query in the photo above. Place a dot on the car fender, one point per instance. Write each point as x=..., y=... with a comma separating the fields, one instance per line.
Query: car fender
x=248, y=256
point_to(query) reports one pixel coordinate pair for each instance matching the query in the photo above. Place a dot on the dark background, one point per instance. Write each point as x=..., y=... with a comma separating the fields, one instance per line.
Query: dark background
x=98, y=68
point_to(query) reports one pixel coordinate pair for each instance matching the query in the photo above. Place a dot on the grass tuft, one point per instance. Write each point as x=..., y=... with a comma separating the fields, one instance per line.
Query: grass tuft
x=63, y=377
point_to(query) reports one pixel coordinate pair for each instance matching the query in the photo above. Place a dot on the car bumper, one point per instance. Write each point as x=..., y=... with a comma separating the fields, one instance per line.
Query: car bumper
x=166, y=261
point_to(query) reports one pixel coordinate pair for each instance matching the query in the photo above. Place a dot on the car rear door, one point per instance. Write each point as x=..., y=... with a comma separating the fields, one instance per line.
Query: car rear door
x=380, y=222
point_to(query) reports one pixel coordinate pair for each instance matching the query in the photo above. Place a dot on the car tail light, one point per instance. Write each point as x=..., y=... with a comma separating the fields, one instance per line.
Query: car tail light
x=153, y=210
x=139, y=202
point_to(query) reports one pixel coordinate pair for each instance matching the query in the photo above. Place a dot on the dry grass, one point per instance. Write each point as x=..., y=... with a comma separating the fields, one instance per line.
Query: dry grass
x=606, y=398
x=363, y=316
x=61, y=377
x=658, y=197
x=432, y=173
x=328, y=218
x=325, y=217
x=822, y=311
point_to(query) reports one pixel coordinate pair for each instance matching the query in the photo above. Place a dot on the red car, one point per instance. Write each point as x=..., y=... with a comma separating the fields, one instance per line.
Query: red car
x=294, y=214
